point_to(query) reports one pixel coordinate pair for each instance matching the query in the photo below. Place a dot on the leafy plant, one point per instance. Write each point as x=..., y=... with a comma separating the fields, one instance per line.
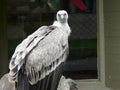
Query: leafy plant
x=49, y=5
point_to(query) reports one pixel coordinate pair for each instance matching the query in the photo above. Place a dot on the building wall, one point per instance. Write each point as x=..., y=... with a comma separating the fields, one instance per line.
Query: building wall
x=112, y=42
x=3, y=39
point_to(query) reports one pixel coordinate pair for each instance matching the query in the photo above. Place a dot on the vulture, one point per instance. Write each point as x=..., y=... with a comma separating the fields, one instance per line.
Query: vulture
x=38, y=61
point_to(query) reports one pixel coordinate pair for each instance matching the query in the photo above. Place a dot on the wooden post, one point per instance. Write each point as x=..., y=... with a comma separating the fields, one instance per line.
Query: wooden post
x=3, y=39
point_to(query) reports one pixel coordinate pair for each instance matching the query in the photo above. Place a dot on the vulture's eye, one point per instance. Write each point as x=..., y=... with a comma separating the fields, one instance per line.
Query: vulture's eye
x=59, y=15
x=64, y=14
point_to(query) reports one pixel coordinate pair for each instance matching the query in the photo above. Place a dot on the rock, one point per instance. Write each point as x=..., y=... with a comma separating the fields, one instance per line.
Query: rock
x=5, y=84
x=67, y=84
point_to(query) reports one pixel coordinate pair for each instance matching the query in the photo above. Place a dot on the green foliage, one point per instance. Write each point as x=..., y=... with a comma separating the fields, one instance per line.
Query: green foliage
x=85, y=43
x=80, y=49
x=49, y=5
x=53, y=4
x=40, y=3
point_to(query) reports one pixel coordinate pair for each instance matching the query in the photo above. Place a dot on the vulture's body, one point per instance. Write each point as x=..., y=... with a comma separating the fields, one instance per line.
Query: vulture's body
x=37, y=62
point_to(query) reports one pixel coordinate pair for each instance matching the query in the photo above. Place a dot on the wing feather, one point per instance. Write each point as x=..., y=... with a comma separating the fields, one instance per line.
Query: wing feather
x=42, y=52
x=50, y=52
x=24, y=48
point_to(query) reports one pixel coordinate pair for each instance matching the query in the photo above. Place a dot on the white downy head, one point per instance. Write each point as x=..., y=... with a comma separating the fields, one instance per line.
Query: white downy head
x=62, y=16
x=62, y=21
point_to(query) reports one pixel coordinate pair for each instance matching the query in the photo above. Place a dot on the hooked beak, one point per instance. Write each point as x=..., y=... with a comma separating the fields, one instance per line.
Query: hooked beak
x=62, y=16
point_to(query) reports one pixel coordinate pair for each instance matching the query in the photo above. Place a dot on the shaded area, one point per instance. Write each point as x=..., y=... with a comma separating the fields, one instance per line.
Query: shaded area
x=82, y=69
x=82, y=48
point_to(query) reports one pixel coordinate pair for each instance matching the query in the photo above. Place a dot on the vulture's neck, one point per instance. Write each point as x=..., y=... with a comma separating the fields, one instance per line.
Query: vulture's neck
x=64, y=26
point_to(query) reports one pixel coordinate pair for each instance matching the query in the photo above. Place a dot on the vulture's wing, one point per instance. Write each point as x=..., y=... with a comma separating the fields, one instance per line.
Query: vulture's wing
x=24, y=48
x=41, y=53
x=47, y=55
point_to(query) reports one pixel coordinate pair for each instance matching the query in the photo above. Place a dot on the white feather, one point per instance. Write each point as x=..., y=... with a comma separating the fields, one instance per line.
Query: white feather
x=41, y=49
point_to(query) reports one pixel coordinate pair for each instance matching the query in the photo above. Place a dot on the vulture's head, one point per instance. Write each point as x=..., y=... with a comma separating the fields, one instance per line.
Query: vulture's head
x=62, y=16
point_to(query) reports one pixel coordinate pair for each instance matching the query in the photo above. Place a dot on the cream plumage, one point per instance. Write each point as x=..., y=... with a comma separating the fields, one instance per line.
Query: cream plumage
x=42, y=52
